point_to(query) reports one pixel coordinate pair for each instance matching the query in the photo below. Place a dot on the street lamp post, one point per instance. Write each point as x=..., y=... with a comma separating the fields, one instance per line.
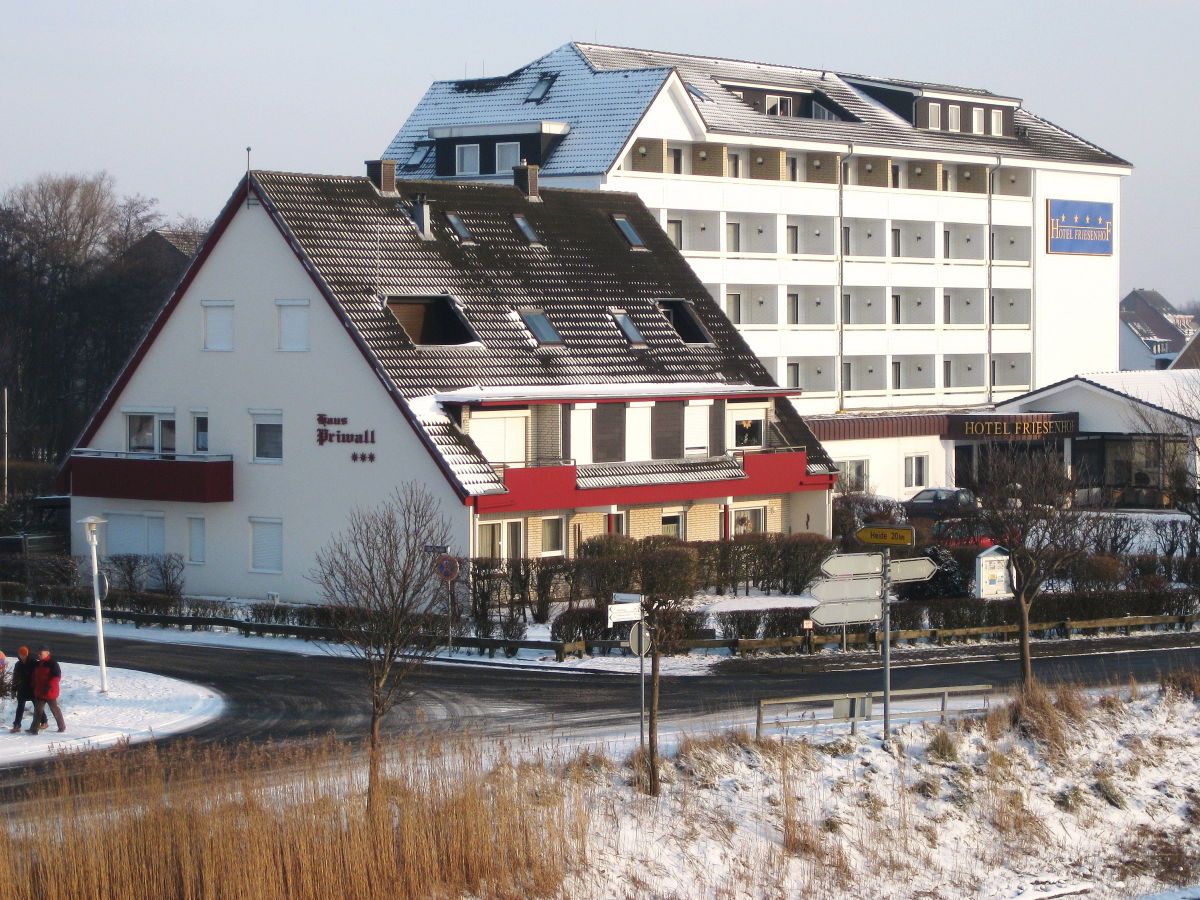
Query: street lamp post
x=89, y=524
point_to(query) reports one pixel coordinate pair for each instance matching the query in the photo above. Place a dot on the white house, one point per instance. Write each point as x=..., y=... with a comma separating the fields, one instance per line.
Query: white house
x=544, y=361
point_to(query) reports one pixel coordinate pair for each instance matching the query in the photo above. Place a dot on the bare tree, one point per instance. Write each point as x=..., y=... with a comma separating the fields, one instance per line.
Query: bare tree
x=1027, y=496
x=380, y=584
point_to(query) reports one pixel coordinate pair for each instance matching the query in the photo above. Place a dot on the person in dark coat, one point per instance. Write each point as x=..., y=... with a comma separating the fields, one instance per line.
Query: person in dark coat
x=45, y=680
x=23, y=689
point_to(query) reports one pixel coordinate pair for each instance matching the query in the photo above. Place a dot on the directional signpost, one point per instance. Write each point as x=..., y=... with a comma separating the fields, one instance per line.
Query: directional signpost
x=859, y=586
x=628, y=608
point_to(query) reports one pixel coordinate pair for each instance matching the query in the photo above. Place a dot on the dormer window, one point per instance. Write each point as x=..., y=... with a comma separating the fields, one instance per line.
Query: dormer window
x=822, y=113
x=466, y=159
x=935, y=116
x=542, y=87
x=460, y=230
x=431, y=321
x=630, y=233
x=631, y=332
x=682, y=316
x=997, y=122
x=778, y=105
x=539, y=326
x=954, y=117
x=527, y=230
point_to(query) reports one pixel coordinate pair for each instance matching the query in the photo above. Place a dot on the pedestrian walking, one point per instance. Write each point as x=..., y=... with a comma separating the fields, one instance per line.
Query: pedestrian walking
x=23, y=689
x=45, y=680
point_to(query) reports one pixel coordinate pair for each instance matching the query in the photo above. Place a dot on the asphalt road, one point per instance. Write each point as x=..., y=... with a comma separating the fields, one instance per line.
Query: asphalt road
x=285, y=697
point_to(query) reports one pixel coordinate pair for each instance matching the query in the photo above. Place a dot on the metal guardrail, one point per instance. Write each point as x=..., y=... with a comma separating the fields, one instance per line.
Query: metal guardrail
x=859, y=705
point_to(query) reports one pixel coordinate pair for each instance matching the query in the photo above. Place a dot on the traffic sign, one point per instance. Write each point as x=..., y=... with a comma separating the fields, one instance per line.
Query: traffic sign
x=919, y=568
x=843, y=564
x=887, y=535
x=639, y=639
x=833, y=589
x=623, y=612
x=446, y=567
x=436, y=548
x=847, y=612
x=626, y=598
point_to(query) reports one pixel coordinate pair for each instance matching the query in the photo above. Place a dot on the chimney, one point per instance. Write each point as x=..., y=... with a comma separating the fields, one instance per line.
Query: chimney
x=422, y=217
x=525, y=177
x=382, y=173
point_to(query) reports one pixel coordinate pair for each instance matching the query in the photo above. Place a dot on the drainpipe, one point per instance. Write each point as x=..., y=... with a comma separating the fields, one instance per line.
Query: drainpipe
x=991, y=308
x=841, y=264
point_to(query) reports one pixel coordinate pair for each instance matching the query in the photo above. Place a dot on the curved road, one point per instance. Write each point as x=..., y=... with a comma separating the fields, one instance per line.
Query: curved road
x=286, y=697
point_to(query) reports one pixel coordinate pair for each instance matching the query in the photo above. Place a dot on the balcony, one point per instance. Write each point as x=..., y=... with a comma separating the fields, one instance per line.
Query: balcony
x=146, y=476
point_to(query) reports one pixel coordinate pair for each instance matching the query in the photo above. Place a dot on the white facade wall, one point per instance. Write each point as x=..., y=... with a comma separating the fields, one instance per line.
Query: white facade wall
x=313, y=489
x=885, y=461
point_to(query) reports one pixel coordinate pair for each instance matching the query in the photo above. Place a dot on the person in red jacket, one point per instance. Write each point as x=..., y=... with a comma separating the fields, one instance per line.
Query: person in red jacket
x=45, y=680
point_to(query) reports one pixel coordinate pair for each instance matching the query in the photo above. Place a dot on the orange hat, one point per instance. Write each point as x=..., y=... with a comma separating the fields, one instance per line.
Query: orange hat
x=22, y=651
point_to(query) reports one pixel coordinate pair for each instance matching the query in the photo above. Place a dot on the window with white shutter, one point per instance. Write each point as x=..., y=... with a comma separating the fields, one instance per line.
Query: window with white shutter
x=218, y=324
x=266, y=545
x=293, y=324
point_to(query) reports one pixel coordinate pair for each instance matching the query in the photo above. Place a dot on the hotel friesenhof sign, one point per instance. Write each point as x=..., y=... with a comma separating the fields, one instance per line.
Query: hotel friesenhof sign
x=1080, y=227
x=1016, y=427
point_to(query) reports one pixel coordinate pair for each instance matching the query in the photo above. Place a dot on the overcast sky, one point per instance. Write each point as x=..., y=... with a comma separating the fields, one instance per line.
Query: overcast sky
x=166, y=96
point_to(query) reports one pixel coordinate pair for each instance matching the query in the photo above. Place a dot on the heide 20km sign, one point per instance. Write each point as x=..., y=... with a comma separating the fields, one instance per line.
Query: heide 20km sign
x=887, y=535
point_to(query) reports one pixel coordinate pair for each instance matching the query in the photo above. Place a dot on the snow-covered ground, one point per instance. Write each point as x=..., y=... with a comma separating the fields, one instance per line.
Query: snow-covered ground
x=138, y=707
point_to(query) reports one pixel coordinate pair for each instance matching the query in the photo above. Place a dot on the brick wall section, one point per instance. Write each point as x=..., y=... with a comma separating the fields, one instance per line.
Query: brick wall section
x=587, y=525
x=716, y=161
x=930, y=178
x=546, y=427
x=655, y=158
x=644, y=521
x=703, y=522
x=825, y=173
x=773, y=166
x=972, y=179
x=880, y=174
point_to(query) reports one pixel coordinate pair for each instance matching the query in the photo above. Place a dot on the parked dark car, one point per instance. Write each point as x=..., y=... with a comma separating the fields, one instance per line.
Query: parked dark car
x=940, y=503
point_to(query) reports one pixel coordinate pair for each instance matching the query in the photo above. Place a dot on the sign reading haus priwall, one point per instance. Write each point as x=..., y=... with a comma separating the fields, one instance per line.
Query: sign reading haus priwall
x=1081, y=227
x=336, y=430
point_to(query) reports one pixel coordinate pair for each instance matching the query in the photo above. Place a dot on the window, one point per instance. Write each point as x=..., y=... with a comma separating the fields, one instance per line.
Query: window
x=793, y=239
x=541, y=87
x=750, y=520
x=629, y=232
x=793, y=165
x=466, y=159
x=150, y=433
x=420, y=151
x=539, y=326
x=954, y=113
x=916, y=470
x=552, y=537
x=733, y=308
x=793, y=309
x=617, y=523
x=500, y=435
x=218, y=324
x=778, y=105
x=268, y=436
x=460, y=230
x=852, y=474
x=200, y=433
x=683, y=318
x=845, y=240
x=431, y=321
x=292, y=324
x=675, y=160
x=896, y=309
x=895, y=242
x=672, y=525
x=266, y=545
x=733, y=237
x=935, y=116
x=997, y=121
x=748, y=433
x=508, y=155
x=793, y=375
x=196, y=548
x=627, y=327
x=699, y=94
x=501, y=540
x=822, y=113
x=675, y=232
x=977, y=120
x=735, y=165
x=526, y=229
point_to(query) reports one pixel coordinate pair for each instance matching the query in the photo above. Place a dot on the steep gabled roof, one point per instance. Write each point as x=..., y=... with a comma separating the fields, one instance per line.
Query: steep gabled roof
x=1153, y=321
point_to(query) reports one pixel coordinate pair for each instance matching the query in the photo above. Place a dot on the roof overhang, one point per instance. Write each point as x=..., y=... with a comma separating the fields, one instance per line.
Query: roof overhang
x=500, y=128
x=607, y=393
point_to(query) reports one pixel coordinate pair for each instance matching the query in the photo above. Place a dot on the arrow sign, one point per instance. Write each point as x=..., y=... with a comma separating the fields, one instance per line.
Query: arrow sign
x=847, y=612
x=623, y=612
x=919, y=568
x=833, y=589
x=887, y=535
x=845, y=564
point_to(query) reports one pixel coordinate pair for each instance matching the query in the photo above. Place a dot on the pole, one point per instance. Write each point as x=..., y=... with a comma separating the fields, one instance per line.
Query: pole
x=887, y=644
x=4, y=497
x=91, y=536
x=642, y=673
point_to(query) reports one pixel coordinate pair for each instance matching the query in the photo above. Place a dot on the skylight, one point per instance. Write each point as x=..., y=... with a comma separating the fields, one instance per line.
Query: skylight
x=539, y=326
x=698, y=94
x=542, y=87
x=627, y=229
x=420, y=151
x=460, y=229
x=683, y=318
x=625, y=323
x=526, y=229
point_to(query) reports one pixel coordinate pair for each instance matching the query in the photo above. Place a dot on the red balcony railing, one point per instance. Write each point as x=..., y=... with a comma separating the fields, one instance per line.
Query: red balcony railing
x=198, y=478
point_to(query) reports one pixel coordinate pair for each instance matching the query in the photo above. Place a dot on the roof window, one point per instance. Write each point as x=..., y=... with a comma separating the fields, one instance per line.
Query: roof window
x=698, y=94
x=539, y=326
x=627, y=229
x=683, y=318
x=461, y=230
x=631, y=332
x=526, y=229
x=431, y=321
x=420, y=151
x=542, y=87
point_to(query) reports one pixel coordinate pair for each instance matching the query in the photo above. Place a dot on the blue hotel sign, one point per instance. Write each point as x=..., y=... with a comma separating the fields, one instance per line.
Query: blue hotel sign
x=1079, y=226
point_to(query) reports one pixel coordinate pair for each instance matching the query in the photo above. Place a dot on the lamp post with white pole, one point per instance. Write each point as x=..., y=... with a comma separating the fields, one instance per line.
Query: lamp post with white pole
x=89, y=524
